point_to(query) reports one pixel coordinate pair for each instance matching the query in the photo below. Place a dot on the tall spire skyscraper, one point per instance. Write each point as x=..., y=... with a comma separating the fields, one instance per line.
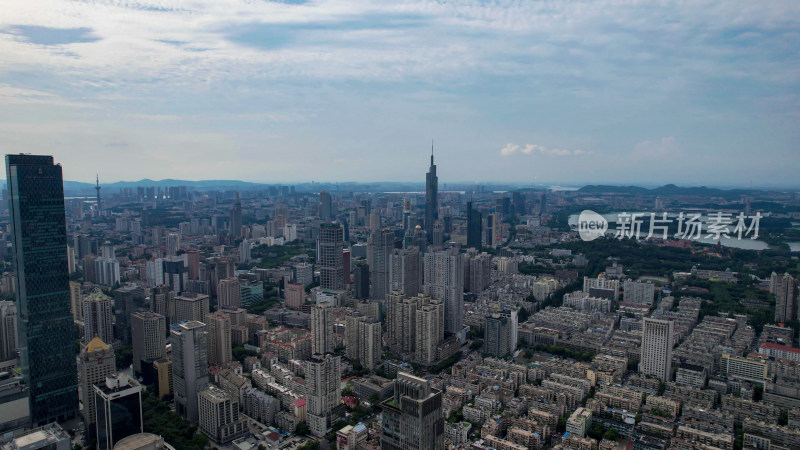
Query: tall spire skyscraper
x=236, y=218
x=431, y=198
x=97, y=188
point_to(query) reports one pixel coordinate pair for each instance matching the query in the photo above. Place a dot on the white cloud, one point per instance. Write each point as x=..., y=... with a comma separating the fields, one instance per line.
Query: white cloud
x=157, y=41
x=509, y=149
x=666, y=147
x=535, y=149
x=11, y=95
x=326, y=70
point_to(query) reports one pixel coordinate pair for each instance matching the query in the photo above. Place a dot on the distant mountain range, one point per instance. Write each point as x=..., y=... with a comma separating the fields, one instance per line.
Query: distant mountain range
x=77, y=187
x=668, y=190
x=80, y=187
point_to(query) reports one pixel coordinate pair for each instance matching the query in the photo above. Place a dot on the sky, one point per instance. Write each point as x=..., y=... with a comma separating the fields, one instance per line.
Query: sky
x=570, y=92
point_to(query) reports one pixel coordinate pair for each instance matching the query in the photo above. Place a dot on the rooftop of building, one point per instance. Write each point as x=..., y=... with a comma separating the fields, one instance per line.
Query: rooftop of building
x=139, y=441
x=96, y=344
x=117, y=383
x=96, y=295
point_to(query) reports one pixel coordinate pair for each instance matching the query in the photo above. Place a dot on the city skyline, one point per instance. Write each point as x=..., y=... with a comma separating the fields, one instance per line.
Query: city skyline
x=595, y=93
x=529, y=348
x=223, y=224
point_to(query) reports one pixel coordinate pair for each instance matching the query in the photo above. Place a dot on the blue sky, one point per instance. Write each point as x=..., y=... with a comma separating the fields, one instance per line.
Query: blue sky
x=570, y=92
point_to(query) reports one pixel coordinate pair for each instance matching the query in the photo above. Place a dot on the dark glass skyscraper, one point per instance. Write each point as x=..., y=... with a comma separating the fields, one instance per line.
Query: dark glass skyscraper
x=236, y=218
x=39, y=235
x=474, y=227
x=431, y=199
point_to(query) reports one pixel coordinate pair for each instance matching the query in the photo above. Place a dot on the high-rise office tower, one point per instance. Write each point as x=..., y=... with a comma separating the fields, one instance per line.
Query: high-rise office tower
x=543, y=202
x=431, y=199
x=404, y=271
x=785, y=289
x=190, y=307
x=148, y=339
x=76, y=300
x=494, y=229
x=97, y=362
x=89, y=270
x=519, y=203
x=322, y=340
x=155, y=272
x=163, y=369
x=229, y=293
x=245, y=251
x=438, y=233
x=479, y=273
x=429, y=329
x=363, y=339
x=173, y=244
x=82, y=244
x=351, y=334
x=219, y=416
x=370, y=338
x=503, y=207
x=236, y=218
x=218, y=269
x=107, y=270
x=176, y=274
x=346, y=266
x=379, y=252
x=163, y=302
x=39, y=237
x=415, y=326
x=407, y=211
x=657, y=341
x=295, y=295
x=303, y=273
x=400, y=322
x=8, y=330
x=127, y=300
x=374, y=221
x=361, y=281
x=118, y=400
x=444, y=279
x=193, y=263
x=323, y=392
x=412, y=418
x=97, y=317
x=218, y=326
x=71, y=260
x=500, y=333
x=157, y=235
x=107, y=266
x=189, y=366
x=331, y=244
x=325, y=206
x=474, y=227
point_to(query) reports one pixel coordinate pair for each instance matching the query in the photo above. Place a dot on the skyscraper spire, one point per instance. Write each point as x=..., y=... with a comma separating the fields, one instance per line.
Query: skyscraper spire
x=431, y=198
x=97, y=188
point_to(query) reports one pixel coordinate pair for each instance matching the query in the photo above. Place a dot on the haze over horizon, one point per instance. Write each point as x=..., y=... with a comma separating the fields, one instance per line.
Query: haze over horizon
x=446, y=184
x=635, y=93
